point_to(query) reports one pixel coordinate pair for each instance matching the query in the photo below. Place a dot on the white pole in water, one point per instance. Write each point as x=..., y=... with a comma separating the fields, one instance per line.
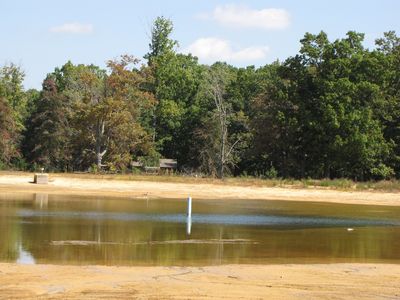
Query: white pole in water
x=189, y=225
x=189, y=207
x=189, y=216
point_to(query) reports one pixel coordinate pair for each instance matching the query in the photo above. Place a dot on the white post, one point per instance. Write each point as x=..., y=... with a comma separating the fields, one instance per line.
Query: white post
x=189, y=216
x=189, y=207
x=188, y=225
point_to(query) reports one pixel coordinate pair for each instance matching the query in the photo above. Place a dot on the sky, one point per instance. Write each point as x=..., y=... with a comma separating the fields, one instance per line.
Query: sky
x=39, y=35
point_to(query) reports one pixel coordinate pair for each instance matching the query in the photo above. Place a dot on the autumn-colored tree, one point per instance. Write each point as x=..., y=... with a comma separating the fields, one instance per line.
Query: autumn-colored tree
x=9, y=136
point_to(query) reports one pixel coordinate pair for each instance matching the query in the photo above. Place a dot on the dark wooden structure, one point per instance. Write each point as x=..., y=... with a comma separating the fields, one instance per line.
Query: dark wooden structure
x=166, y=166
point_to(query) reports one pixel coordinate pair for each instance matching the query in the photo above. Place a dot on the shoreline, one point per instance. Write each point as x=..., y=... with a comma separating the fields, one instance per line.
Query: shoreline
x=316, y=281
x=271, y=281
x=64, y=185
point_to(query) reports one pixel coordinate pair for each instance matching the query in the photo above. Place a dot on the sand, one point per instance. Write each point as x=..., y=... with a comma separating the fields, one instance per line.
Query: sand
x=286, y=281
x=337, y=281
x=138, y=189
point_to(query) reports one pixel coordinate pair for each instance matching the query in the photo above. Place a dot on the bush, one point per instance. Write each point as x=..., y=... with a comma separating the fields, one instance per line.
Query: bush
x=272, y=173
x=152, y=160
x=20, y=164
x=337, y=183
x=93, y=169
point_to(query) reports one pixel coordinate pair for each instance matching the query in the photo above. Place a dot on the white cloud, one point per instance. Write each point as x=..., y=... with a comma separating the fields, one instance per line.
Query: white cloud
x=75, y=28
x=214, y=49
x=240, y=16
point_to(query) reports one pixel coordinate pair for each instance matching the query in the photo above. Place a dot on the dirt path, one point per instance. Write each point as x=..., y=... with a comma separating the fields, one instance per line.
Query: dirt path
x=338, y=281
x=115, y=188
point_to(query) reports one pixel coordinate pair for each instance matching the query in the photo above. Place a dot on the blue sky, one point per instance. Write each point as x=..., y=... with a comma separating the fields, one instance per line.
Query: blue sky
x=41, y=35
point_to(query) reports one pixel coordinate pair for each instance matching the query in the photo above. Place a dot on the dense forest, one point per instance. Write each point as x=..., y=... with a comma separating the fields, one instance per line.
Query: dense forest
x=330, y=111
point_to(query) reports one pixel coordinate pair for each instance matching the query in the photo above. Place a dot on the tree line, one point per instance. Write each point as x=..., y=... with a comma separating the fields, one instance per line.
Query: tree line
x=330, y=111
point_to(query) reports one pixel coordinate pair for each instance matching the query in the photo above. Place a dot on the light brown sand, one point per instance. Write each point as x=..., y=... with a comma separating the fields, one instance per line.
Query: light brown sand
x=67, y=185
x=338, y=281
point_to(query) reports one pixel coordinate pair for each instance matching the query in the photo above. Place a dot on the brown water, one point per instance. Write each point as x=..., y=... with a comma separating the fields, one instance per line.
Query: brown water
x=87, y=230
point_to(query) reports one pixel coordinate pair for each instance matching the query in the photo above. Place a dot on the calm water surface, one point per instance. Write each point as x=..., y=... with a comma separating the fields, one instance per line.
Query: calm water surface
x=88, y=230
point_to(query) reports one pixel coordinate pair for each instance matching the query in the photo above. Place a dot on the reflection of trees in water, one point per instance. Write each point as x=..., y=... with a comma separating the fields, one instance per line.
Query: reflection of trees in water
x=10, y=233
x=11, y=228
x=133, y=243
x=41, y=200
x=126, y=242
x=130, y=242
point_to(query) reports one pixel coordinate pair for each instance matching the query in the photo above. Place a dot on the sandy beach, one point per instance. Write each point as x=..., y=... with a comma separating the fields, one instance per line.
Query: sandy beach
x=59, y=184
x=285, y=281
x=336, y=281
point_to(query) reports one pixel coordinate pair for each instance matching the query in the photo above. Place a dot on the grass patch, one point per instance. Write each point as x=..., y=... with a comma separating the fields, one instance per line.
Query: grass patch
x=336, y=184
x=383, y=185
x=330, y=183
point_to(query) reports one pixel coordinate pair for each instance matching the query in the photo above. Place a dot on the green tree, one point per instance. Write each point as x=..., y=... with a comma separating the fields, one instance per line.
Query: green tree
x=12, y=90
x=176, y=79
x=275, y=125
x=324, y=110
x=47, y=138
x=388, y=58
x=13, y=112
x=9, y=135
x=161, y=43
x=245, y=86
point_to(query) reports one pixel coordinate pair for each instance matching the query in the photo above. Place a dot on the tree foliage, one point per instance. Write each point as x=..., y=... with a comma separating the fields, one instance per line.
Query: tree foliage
x=161, y=43
x=86, y=117
x=332, y=110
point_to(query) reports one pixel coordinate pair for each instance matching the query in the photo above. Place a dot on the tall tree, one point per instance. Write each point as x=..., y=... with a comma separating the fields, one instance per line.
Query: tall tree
x=109, y=114
x=13, y=112
x=9, y=135
x=12, y=90
x=91, y=110
x=275, y=125
x=388, y=58
x=326, y=108
x=161, y=43
x=217, y=152
x=130, y=120
x=176, y=78
x=47, y=138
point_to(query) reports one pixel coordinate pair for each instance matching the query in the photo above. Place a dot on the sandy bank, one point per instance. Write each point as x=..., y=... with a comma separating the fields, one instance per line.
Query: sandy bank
x=337, y=281
x=69, y=185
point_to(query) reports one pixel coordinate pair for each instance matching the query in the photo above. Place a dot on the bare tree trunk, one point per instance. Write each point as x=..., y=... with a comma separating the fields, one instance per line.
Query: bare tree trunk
x=223, y=147
x=99, y=141
x=223, y=127
x=154, y=125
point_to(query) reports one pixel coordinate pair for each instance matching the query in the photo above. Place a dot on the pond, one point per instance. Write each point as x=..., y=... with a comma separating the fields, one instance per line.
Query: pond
x=60, y=229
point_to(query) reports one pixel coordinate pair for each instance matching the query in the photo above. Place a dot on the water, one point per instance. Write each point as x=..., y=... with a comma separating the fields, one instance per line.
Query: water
x=88, y=230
